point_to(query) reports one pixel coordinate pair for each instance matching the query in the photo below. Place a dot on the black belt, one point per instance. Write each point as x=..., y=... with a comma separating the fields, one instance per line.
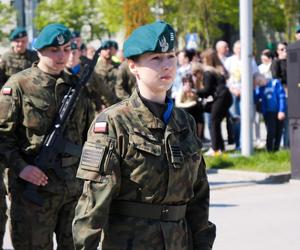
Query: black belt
x=148, y=211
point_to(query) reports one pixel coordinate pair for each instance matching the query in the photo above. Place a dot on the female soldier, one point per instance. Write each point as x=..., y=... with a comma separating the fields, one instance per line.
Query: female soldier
x=145, y=180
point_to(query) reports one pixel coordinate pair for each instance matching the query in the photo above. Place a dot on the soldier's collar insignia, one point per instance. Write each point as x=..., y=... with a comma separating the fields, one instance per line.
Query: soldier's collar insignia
x=60, y=39
x=163, y=44
x=7, y=91
x=101, y=127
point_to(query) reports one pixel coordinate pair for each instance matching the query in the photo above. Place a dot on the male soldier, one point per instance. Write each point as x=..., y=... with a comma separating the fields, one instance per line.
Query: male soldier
x=125, y=83
x=105, y=67
x=30, y=101
x=18, y=58
x=101, y=95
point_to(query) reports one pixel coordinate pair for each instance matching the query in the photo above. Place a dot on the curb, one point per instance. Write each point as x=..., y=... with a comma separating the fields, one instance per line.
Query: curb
x=221, y=178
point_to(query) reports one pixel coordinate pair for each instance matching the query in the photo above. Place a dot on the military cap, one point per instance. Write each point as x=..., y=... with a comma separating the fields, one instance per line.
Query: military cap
x=18, y=32
x=155, y=37
x=106, y=44
x=298, y=29
x=74, y=46
x=75, y=34
x=52, y=35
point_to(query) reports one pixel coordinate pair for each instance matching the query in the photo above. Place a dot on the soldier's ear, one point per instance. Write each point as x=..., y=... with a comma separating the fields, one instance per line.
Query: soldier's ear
x=132, y=66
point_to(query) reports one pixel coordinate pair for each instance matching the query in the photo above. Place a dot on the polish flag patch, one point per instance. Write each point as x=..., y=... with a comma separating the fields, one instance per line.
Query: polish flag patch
x=101, y=127
x=7, y=91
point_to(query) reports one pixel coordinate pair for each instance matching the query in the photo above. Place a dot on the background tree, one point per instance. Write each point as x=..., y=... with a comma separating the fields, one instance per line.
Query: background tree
x=7, y=15
x=73, y=13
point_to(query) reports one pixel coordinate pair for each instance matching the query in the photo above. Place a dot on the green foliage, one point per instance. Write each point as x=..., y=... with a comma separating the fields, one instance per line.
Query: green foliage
x=261, y=161
x=6, y=17
x=73, y=13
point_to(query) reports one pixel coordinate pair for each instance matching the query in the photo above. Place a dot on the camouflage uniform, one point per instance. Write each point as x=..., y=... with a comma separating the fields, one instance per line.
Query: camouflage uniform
x=98, y=92
x=125, y=82
x=11, y=63
x=3, y=206
x=29, y=104
x=131, y=156
x=108, y=72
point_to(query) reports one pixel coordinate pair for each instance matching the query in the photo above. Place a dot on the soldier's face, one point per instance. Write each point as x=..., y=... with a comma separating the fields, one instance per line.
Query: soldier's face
x=106, y=53
x=19, y=45
x=155, y=71
x=53, y=59
x=74, y=58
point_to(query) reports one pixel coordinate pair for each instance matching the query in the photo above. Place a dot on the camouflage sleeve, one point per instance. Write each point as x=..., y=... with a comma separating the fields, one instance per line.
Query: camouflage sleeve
x=10, y=111
x=203, y=231
x=121, y=79
x=3, y=77
x=99, y=168
x=100, y=93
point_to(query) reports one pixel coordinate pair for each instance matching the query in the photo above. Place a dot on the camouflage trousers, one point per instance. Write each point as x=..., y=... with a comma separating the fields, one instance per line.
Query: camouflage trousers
x=33, y=226
x=3, y=217
x=3, y=207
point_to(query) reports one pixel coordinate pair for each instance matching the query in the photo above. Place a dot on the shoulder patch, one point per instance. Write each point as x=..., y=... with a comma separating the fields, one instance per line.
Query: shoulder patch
x=7, y=91
x=101, y=127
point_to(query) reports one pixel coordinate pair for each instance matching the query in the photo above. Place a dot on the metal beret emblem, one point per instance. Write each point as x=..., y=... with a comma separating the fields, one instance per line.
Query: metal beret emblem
x=163, y=44
x=60, y=39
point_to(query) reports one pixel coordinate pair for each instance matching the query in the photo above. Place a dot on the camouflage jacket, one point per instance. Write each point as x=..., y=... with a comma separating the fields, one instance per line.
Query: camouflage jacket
x=125, y=82
x=108, y=72
x=128, y=156
x=29, y=103
x=12, y=63
x=97, y=91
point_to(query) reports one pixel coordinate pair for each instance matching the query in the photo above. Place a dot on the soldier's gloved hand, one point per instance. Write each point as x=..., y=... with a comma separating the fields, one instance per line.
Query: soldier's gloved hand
x=34, y=175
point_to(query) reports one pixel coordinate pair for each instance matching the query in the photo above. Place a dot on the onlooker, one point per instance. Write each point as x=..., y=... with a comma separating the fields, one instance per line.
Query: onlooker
x=233, y=66
x=273, y=108
x=297, y=33
x=279, y=71
x=266, y=63
x=222, y=50
x=184, y=58
x=187, y=99
x=222, y=99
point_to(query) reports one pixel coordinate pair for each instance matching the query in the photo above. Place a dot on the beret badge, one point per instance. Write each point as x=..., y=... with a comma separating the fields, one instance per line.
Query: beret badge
x=60, y=39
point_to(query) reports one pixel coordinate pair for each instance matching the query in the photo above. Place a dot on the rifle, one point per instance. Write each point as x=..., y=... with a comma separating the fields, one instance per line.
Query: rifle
x=54, y=145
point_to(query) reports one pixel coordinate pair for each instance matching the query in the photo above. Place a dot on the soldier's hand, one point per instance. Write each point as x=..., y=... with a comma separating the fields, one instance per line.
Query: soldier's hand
x=34, y=175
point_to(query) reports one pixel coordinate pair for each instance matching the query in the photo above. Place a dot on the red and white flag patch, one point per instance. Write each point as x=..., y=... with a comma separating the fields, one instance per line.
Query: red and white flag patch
x=6, y=91
x=101, y=127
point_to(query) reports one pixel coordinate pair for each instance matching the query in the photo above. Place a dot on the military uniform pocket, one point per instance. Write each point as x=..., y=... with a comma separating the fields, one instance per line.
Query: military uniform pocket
x=97, y=161
x=144, y=145
x=6, y=108
x=35, y=114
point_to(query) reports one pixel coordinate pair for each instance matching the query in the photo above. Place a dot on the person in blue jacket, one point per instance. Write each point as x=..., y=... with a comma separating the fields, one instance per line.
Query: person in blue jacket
x=273, y=106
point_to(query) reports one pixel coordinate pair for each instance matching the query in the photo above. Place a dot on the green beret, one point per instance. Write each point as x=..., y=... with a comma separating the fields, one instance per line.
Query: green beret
x=53, y=35
x=74, y=46
x=155, y=37
x=18, y=32
x=106, y=44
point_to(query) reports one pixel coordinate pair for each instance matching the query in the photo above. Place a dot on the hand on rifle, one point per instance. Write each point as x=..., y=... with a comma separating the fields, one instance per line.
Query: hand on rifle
x=34, y=175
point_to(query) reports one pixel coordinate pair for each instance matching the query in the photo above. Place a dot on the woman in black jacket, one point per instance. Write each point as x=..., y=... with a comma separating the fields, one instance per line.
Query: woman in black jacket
x=212, y=76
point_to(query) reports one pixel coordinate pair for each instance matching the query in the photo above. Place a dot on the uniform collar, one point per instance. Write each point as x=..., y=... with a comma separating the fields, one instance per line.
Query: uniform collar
x=147, y=118
x=47, y=79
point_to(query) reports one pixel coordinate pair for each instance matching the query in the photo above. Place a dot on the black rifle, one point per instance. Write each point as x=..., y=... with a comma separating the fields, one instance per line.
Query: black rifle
x=54, y=145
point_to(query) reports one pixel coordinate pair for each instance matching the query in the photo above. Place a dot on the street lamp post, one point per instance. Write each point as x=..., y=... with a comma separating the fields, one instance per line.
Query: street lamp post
x=247, y=76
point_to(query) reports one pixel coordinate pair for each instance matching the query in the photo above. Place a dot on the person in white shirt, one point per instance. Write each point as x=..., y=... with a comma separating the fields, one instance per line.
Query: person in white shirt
x=233, y=65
